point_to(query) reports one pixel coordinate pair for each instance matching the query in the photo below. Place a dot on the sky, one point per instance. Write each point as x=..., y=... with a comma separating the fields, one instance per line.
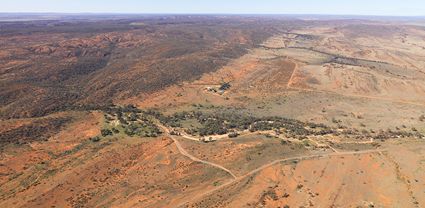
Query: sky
x=335, y=7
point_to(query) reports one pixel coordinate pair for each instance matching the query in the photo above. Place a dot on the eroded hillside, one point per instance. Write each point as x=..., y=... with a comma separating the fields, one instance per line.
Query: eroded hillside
x=54, y=65
x=211, y=111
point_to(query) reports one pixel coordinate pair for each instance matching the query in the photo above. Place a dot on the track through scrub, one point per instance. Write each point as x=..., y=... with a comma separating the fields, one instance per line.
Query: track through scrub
x=252, y=172
x=185, y=153
x=309, y=157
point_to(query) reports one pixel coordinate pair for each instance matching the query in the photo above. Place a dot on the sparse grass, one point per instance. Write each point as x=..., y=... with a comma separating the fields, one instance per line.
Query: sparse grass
x=74, y=150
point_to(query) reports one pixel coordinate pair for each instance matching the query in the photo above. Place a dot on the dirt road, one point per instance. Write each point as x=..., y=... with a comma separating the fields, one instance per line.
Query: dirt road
x=185, y=153
x=280, y=161
x=252, y=172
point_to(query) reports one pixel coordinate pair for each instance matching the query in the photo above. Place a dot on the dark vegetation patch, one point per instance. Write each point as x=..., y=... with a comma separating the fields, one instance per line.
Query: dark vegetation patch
x=39, y=130
x=269, y=194
x=89, y=61
x=223, y=121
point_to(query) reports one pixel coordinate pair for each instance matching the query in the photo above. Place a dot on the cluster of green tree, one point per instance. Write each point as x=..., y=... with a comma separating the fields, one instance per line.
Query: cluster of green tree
x=211, y=127
x=388, y=134
x=222, y=121
x=225, y=86
x=134, y=121
x=146, y=129
x=225, y=121
x=115, y=109
x=292, y=127
x=106, y=132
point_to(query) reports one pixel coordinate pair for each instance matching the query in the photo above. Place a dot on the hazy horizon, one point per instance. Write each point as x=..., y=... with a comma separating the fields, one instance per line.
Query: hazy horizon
x=236, y=14
x=271, y=7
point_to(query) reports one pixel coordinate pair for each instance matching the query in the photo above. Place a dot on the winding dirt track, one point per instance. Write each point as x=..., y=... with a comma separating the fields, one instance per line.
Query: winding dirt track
x=185, y=153
x=308, y=157
x=252, y=172
x=277, y=162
